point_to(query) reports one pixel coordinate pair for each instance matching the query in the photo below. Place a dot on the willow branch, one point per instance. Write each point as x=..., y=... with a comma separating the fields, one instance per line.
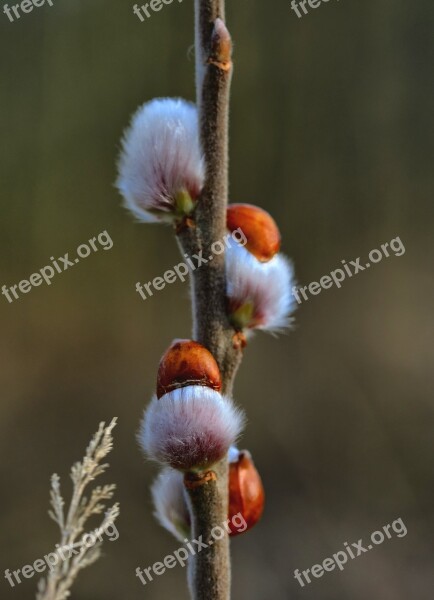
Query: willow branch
x=209, y=573
x=213, y=75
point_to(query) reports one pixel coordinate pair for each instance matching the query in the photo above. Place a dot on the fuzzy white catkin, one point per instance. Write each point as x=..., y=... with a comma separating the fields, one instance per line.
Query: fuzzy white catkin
x=267, y=286
x=190, y=428
x=160, y=158
x=171, y=508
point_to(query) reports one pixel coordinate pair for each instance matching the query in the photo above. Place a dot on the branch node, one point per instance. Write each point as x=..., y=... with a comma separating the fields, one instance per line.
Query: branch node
x=239, y=340
x=185, y=223
x=196, y=480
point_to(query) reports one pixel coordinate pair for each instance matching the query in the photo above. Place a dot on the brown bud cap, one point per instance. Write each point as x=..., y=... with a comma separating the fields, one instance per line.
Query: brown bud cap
x=259, y=227
x=187, y=363
x=246, y=492
x=221, y=46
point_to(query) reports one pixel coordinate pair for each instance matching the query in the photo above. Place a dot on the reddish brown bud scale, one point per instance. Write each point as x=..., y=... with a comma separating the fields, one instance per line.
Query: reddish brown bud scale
x=259, y=227
x=246, y=492
x=187, y=363
x=239, y=340
x=221, y=46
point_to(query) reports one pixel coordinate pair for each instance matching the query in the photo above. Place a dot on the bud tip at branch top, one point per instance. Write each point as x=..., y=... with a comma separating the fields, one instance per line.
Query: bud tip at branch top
x=221, y=46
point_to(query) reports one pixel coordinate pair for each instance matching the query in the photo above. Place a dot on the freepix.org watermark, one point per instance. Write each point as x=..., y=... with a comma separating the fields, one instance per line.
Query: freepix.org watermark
x=300, y=9
x=181, y=270
x=62, y=553
x=338, y=276
x=15, y=11
x=59, y=265
x=150, y=7
x=193, y=547
x=352, y=551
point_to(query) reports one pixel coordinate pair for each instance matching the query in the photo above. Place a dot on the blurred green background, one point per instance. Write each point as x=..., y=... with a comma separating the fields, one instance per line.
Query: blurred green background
x=331, y=131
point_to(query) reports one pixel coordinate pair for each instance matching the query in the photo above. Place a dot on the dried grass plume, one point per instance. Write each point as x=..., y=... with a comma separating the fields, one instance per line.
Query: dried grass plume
x=72, y=523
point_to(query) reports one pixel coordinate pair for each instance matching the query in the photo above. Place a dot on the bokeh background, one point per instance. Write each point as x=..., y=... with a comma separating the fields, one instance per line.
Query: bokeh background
x=331, y=131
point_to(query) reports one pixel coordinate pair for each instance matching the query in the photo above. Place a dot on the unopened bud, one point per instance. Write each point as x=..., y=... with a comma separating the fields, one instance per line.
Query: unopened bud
x=221, y=46
x=246, y=492
x=259, y=228
x=187, y=363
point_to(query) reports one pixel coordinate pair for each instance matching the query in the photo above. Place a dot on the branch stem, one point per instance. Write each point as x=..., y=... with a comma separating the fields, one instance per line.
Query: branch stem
x=209, y=569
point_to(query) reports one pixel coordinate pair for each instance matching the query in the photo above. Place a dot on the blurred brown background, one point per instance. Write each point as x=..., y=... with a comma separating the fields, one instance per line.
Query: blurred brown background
x=331, y=131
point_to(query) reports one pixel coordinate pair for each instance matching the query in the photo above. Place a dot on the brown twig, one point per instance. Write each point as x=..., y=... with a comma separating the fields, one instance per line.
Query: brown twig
x=209, y=573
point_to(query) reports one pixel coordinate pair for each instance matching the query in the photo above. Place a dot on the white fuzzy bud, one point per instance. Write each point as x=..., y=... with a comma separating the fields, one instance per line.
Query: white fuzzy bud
x=190, y=428
x=170, y=504
x=259, y=293
x=161, y=168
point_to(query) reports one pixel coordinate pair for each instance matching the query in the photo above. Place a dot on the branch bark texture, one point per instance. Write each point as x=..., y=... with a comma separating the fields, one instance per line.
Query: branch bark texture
x=209, y=570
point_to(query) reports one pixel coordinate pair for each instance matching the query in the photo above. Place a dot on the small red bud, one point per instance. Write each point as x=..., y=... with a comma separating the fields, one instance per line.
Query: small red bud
x=187, y=363
x=246, y=492
x=259, y=227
